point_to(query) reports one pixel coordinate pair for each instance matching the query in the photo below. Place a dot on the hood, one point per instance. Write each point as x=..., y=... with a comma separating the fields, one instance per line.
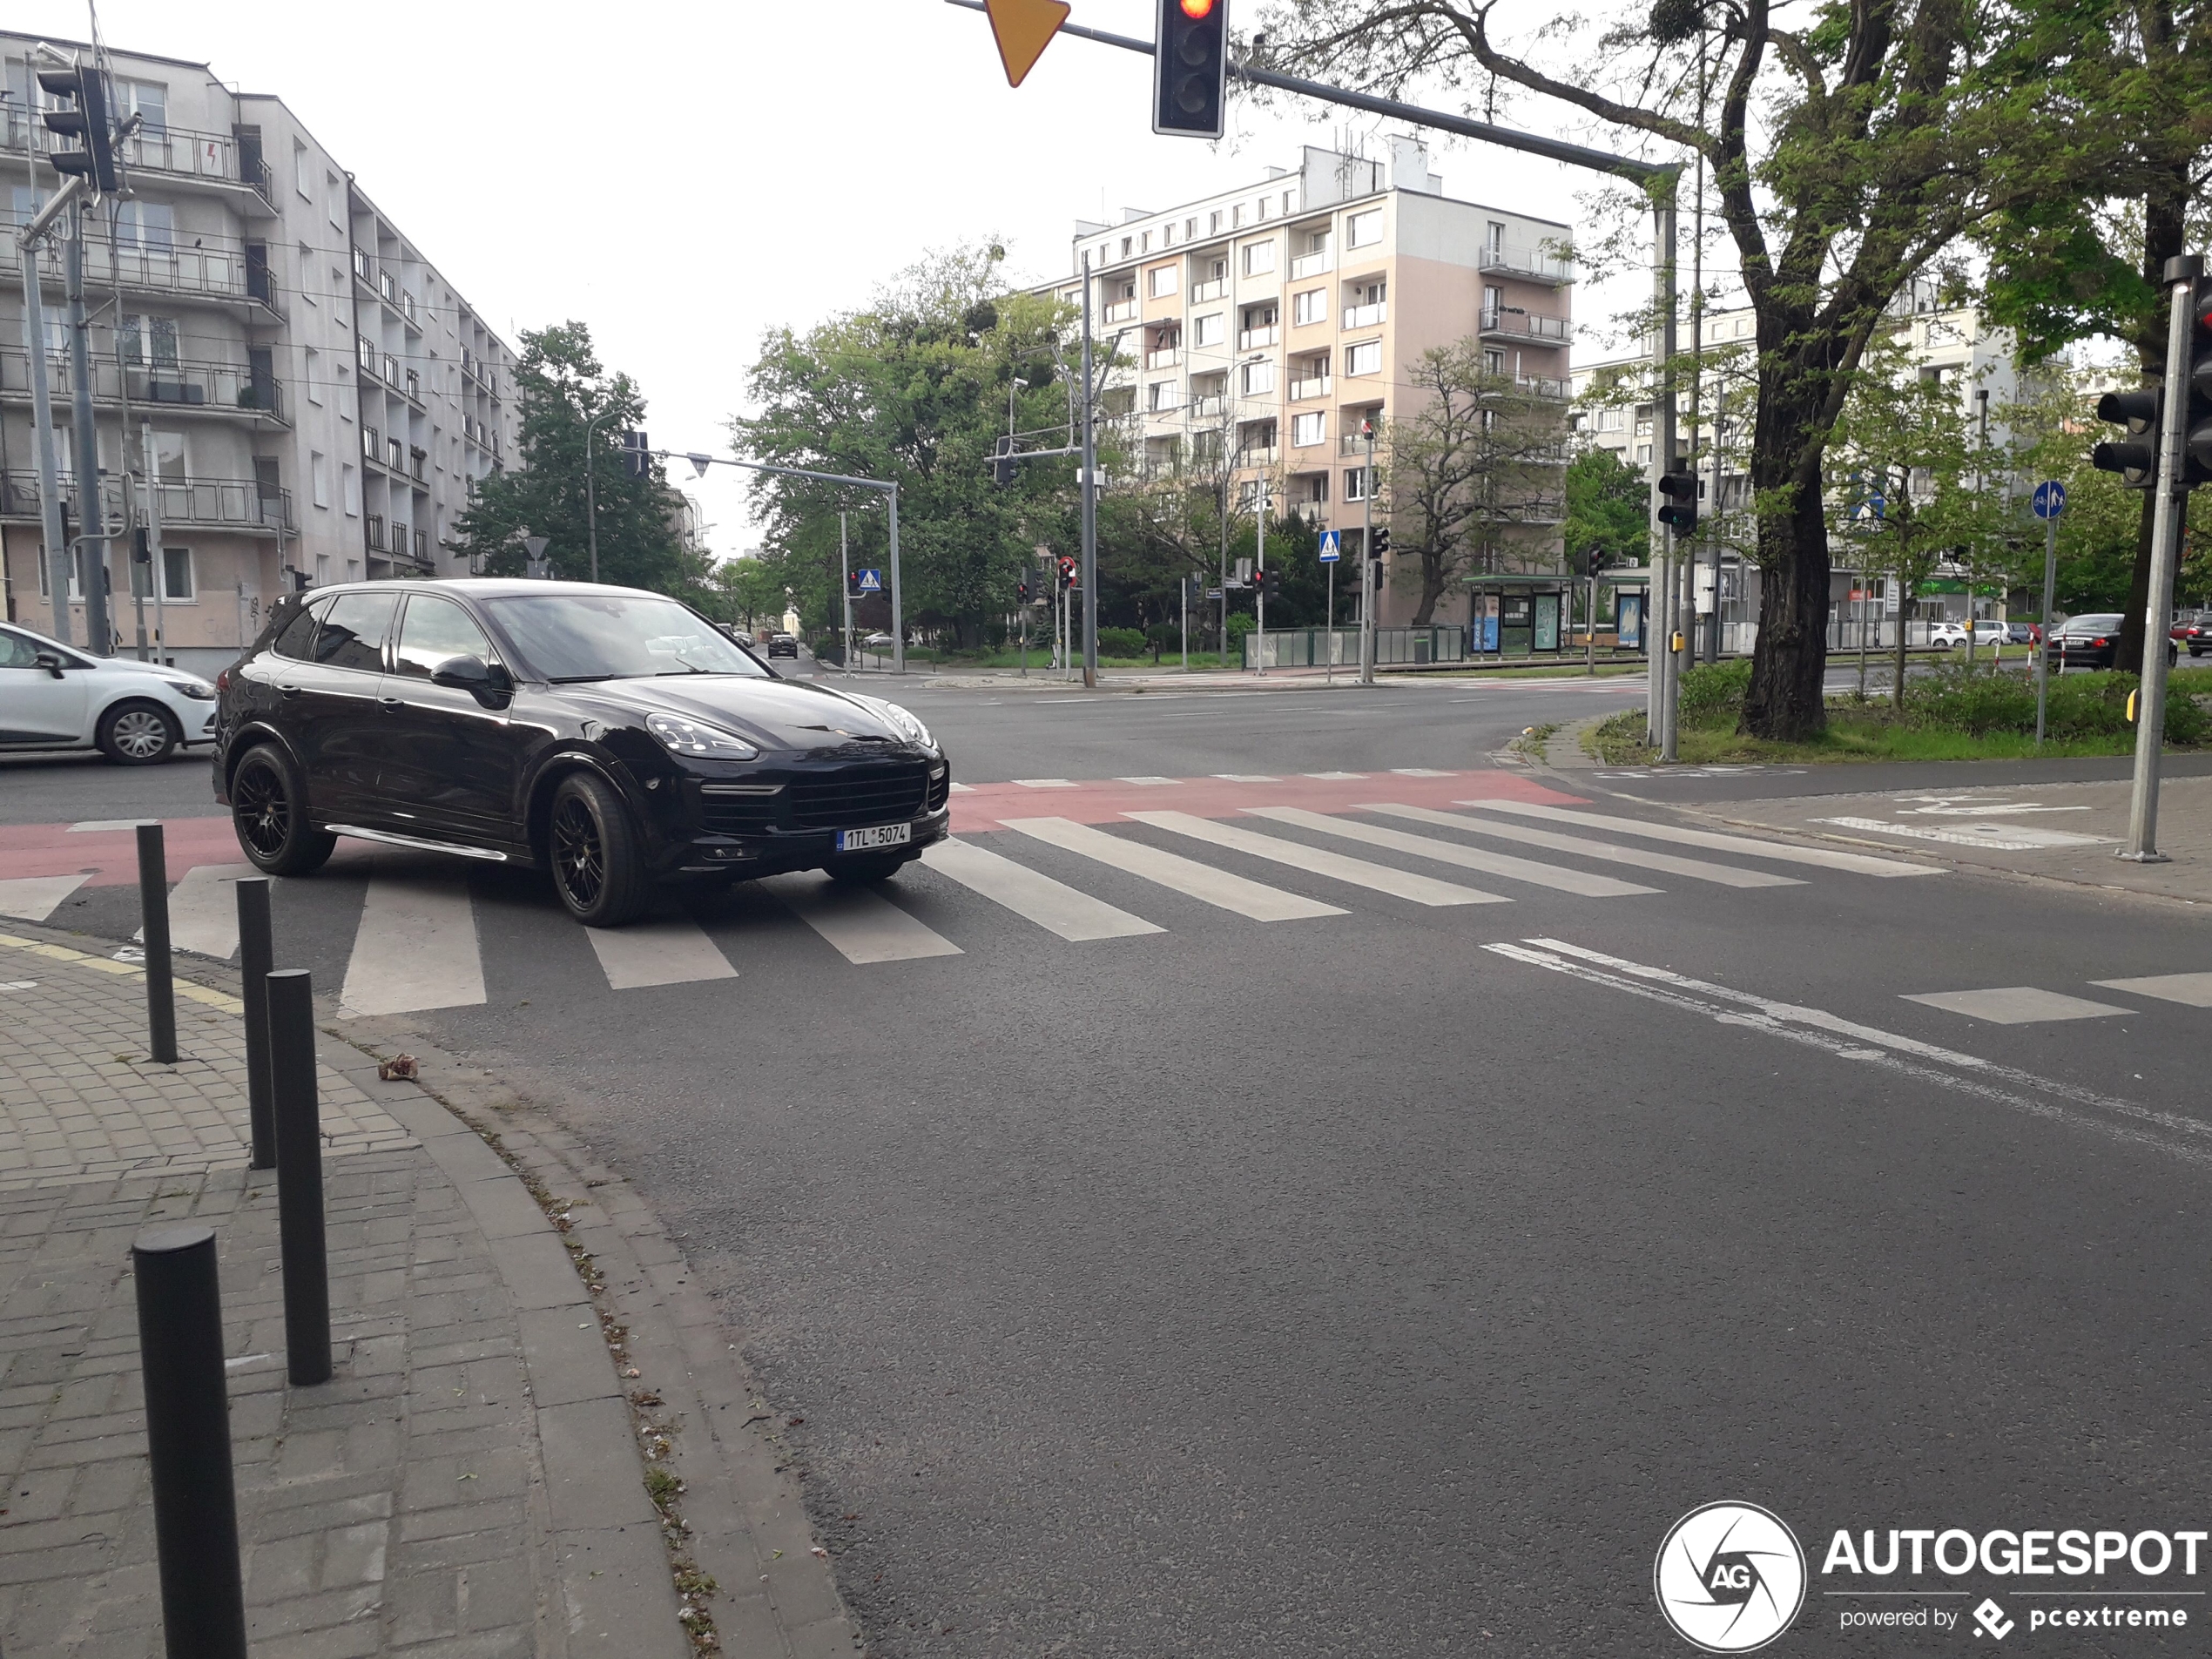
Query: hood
x=174, y=676
x=773, y=713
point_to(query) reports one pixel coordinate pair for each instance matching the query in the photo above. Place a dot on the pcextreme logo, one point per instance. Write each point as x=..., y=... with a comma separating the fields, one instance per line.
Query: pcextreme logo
x=1729, y=1577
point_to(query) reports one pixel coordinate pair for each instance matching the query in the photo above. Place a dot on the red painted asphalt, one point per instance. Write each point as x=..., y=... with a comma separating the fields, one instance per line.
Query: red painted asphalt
x=108, y=857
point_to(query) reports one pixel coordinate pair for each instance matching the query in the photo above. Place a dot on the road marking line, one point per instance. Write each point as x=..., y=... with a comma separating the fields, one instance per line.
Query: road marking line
x=1379, y=878
x=1042, y=783
x=962, y=789
x=1860, y=863
x=1147, y=781
x=863, y=924
x=1420, y=771
x=1467, y=858
x=1337, y=777
x=97, y=826
x=2004, y=838
x=1052, y=905
x=1848, y=1040
x=1609, y=851
x=1246, y=777
x=2194, y=990
x=2016, y=1005
x=667, y=950
x=203, y=910
x=416, y=949
x=1187, y=876
x=34, y=898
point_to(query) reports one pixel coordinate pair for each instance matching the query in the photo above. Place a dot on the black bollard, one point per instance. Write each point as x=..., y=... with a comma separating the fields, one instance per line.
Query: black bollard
x=299, y=1165
x=188, y=1442
x=256, y=954
x=153, y=915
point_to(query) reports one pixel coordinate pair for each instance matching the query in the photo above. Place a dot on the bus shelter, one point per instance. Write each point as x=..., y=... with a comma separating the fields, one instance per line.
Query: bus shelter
x=1547, y=614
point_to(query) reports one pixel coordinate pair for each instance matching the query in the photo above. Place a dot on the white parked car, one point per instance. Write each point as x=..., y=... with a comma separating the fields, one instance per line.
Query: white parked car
x=1987, y=631
x=133, y=712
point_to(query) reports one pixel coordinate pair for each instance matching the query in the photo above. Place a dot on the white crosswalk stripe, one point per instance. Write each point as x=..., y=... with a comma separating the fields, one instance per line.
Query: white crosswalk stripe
x=2191, y=990
x=1359, y=872
x=863, y=924
x=667, y=950
x=1608, y=852
x=203, y=910
x=1467, y=858
x=1187, y=876
x=416, y=948
x=1828, y=858
x=2016, y=1005
x=34, y=898
x=1052, y=905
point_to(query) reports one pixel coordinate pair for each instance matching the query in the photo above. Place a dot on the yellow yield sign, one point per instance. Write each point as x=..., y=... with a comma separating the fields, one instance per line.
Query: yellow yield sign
x=1024, y=28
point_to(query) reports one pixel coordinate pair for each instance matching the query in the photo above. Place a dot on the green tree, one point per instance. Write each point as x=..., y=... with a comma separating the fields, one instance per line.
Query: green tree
x=1848, y=152
x=561, y=388
x=1474, y=473
x=916, y=387
x=1609, y=508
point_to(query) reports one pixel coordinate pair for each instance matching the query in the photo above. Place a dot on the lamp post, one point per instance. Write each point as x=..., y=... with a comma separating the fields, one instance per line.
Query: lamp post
x=590, y=491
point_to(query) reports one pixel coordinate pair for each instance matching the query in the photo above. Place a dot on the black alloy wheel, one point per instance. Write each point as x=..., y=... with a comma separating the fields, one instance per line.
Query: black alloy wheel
x=268, y=810
x=591, y=847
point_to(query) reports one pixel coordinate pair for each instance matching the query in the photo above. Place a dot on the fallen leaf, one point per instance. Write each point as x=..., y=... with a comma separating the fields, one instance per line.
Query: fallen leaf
x=398, y=1067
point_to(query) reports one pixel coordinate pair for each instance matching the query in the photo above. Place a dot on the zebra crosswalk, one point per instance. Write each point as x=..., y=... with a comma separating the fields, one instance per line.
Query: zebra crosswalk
x=421, y=941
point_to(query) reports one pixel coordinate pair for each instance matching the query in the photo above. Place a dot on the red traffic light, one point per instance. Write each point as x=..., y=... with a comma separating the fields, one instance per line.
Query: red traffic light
x=1196, y=10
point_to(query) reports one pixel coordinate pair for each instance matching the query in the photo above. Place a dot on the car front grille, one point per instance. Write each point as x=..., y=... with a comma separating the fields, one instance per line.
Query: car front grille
x=858, y=795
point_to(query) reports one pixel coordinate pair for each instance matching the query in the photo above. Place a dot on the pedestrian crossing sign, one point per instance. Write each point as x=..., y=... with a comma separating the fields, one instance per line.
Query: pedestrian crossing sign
x=871, y=581
x=1331, y=540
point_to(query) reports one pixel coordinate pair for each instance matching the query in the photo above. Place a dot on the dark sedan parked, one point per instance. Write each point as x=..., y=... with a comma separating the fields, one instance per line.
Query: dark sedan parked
x=613, y=737
x=2091, y=642
x=2194, y=632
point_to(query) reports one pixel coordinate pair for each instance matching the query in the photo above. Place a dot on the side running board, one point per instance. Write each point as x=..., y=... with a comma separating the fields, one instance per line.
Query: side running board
x=417, y=842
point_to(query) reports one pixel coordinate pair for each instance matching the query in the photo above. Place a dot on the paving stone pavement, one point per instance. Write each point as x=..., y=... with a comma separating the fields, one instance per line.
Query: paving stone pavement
x=469, y=1482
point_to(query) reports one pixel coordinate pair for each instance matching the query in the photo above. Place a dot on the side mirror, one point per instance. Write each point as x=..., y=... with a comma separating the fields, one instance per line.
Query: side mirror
x=471, y=674
x=51, y=661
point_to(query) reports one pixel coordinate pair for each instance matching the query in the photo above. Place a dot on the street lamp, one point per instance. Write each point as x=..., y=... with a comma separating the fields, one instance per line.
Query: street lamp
x=590, y=491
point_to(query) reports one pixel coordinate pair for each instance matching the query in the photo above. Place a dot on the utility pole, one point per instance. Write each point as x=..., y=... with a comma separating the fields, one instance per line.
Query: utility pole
x=1090, y=501
x=1663, y=457
x=1259, y=574
x=1183, y=588
x=845, y=578
x=1368, y=565
x=59, y=563
x=591, y=490
x=1224, y=456
x=92, y=517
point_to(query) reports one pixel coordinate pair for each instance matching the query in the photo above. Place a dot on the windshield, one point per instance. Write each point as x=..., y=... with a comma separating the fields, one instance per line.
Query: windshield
x=568, y=637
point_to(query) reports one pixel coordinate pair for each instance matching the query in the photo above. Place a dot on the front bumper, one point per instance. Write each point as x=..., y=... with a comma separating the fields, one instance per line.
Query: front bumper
x=753, y=855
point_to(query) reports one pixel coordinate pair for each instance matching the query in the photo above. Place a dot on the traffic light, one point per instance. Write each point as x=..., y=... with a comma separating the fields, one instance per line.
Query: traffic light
x=852, y=584
x=1003, y=461
x=2135, y=458
x=1594, y=561
x=2196, y=426
x=1190, y=68
x=141, y=546
x=86, y=88
x=1021, y=588
x=1068, y=573
x=1271, y=583
x=636, y=458
x=1379, y=545
x=1679, y=509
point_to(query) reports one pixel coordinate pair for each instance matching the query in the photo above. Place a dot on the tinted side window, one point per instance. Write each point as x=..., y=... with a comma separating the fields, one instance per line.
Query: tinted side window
x=434, y=630
x=352, y=630
x=298, y=634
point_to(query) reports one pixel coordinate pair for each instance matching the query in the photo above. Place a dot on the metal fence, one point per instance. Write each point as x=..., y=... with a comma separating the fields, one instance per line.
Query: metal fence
x=1318, y=647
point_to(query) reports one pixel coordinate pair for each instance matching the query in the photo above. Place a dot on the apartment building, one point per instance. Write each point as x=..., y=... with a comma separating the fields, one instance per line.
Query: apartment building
x=304, y=395
x=1264, y=327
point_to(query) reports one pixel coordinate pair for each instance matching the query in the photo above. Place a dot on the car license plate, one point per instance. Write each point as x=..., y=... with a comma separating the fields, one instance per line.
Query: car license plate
x=860, y=840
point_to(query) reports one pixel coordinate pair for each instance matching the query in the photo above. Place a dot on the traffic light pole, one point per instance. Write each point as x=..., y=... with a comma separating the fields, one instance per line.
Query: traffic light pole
x=844, y=580
x=2166, y=515
x=1089, y=464
x=1669, y=663
x=1367, y=566
x=91, y=521
x=1259, y=578
x=58, y=562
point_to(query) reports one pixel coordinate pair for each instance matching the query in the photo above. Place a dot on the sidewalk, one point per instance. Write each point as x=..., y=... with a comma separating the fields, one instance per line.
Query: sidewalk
x=469, y=1482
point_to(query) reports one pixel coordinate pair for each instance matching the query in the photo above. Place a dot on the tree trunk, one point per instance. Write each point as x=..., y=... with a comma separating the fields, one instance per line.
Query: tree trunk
x=1431, y=590
x=1789, y=663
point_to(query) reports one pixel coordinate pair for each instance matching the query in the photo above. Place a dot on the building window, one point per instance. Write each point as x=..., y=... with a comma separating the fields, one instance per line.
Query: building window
x=1355, y=484
x=1207, y=330
x=303, y=172
x=1493, y=362
x=1190, y=229
x=1257, y=379
x=1164, y=280
x=1612, y=419
x=1364, y=230
x=350, y=479
x=335, y=198
x=1259, y=257
x=318, y=477
x=1305, y=429
x=1128, y=244
x=1365, y=358
x=312, y=362
x=169, y=457
x=1496, y=235
x=149, y=227
x=149, y=101
x=322, y=569
x=176, y=570
x=1213, y=223
x=1165, y=395
x=1311, y=307
x=149, y=342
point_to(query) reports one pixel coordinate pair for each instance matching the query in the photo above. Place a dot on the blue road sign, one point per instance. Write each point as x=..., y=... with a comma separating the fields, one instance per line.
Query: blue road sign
x=2050, y=498
x=871, y=581
x=1331, y=540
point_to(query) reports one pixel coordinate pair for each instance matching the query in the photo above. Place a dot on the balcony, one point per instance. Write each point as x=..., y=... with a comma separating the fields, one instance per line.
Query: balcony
x=1267, y=457
x=1166, y=357
x=1259, y=339
x=1306, y=390
x=174, y=153
x=1120, y=311
x=1505, y=324
x=218, y=269
x=1312, y=265
x=1527, y=262
x=241, y=504
x=1353, y=444
x=1202, y=292
x=1366, y=316
x=1212, y=406
x=213, y=388
x=1541, y=387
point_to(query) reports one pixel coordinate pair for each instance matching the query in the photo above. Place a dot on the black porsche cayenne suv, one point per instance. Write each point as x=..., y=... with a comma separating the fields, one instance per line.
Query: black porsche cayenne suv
x=612, y=737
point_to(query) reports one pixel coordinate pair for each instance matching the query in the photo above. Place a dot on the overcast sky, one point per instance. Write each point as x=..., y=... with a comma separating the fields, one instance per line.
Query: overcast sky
x=684, y=176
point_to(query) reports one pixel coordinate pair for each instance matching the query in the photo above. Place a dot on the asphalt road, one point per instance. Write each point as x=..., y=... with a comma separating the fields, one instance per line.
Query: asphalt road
x=1351, y=1286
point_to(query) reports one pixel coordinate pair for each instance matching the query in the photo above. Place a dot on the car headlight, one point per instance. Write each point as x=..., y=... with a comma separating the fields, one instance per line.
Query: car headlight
x=898, y=720
x=697, y=737
x=199, y=690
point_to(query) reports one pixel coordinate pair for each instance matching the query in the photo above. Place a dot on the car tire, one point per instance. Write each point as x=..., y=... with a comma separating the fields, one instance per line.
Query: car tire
x=591, y=847
x=269, y=812
x=137, y=733
x=881, y=867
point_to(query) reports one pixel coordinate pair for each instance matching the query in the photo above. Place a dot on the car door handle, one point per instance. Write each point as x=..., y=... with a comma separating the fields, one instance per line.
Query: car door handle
x=287, y=690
